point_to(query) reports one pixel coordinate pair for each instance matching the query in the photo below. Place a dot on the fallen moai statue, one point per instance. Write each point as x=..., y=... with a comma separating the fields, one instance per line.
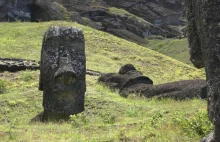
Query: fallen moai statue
x=62, y=72
x=126, y=73
x=204, y=41
x=179, y=90
x=130, y=81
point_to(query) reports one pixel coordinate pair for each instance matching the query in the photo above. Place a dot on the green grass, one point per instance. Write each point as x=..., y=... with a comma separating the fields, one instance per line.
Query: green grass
x=174, y=48
x=107, y=116
x=122, y=12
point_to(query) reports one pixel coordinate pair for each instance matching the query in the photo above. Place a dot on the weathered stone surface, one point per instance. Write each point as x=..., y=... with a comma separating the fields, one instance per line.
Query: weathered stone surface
x=31, y=10
x=46, y=11
x=62, y=72
x=204, y=42
x=146, y=16
x=130, y=81
x=127, y=74
x=154, y=11
x=126, y=68
x=178, y=90
x=14, y=65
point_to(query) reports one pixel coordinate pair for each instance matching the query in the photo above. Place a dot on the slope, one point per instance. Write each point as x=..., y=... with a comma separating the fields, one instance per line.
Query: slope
x=107, y=116
x=174, y=48
x=105, y=52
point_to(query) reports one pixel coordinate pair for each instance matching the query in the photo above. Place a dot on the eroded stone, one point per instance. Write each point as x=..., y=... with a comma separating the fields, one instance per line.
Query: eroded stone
x=204, y=42
x=62, y=72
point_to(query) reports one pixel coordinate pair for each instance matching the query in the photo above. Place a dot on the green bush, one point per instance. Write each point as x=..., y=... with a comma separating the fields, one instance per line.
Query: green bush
x=196, y=124
x=78, y=119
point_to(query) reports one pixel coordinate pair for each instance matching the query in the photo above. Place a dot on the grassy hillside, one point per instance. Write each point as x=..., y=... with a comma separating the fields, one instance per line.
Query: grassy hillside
x=174, y=48
x=107, y=116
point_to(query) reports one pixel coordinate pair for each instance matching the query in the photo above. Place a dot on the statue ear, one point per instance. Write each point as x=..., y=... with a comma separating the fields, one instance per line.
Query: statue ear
x=41, y=82
x=41, y=74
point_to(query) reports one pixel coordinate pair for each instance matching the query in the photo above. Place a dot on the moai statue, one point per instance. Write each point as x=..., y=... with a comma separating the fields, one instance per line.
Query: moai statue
x=62, y=72
x=204, y=42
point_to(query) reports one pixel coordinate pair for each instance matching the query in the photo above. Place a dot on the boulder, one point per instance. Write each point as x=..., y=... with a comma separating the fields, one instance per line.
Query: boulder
x=62, y=72
x=47, y=11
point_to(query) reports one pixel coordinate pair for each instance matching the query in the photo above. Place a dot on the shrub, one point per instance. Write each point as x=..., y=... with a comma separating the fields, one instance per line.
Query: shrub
x=196, y=124
x=78, y=119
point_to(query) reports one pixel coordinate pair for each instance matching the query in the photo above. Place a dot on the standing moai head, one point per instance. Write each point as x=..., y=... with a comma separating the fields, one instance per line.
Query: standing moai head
x=62, y=72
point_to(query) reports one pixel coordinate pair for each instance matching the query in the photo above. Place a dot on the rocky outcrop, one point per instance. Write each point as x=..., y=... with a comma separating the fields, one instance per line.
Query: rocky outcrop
x=132, y=20
x=204, y=42
x=125, y=26
x=46, y=11
x=154, y=11
x=32, y=10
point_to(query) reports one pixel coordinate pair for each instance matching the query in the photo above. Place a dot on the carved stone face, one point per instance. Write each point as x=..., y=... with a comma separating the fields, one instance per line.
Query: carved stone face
x=63, y=73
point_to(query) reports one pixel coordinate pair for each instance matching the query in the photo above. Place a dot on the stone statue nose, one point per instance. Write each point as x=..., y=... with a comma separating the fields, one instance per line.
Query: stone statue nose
x=65, y=77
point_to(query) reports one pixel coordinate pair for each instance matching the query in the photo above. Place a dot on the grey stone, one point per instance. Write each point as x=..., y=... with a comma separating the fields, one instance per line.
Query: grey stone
x=62, y=72
x=179, y=90
x=127, y=74
x=131, y=81
x=204, y=42
x=208, y=138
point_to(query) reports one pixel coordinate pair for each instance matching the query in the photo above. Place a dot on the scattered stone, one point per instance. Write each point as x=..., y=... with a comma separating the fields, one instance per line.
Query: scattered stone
x=14, y=65
x=62, y=72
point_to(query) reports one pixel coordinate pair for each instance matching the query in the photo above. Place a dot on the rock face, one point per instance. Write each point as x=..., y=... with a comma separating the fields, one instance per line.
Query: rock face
x=130, y=81
x=15, y=10
x=46, y=11
x=31, y=10
x=204, y=42
x=154, y=11
x=129, y=19
x=62, y=72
